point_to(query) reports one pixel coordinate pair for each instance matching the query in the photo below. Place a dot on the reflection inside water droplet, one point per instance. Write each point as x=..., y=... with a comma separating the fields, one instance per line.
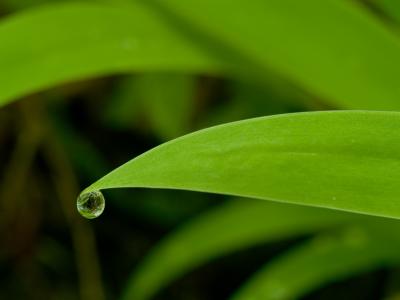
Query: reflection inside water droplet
x=91, y=205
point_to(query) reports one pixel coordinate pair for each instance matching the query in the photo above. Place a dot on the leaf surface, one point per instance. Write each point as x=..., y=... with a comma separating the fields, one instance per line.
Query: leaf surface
x=346, y=160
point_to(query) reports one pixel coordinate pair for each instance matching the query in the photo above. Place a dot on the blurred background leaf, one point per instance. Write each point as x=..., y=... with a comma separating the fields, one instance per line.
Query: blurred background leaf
x=350, y=64
x=165, y=101
x=227, y=228
x=324, y=259
x=102, y=39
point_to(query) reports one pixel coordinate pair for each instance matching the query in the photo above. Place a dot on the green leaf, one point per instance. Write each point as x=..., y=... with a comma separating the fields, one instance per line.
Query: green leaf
x=231, y=227
x=354, y=63
x=390, y=7
x=347, y=160
x=168, y=100
x=23, y=4
x=301, y=42
x=123, y=110
x=82, y=40
x=323, y=260
x=165, y=101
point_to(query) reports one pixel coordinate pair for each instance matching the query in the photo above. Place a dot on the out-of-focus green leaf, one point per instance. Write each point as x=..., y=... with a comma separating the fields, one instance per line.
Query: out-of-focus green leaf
x=390, y=7
x=54, y=44
x=346, y=160
x=22, y=4
x=164, y=100
x=353, y=63
x=323, y=260
x=168, y=102
x=223, y=230
x=244, y=100
x=123, y=110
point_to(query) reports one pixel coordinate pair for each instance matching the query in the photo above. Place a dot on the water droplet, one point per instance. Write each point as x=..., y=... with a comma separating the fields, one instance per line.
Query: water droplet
x=91, y=205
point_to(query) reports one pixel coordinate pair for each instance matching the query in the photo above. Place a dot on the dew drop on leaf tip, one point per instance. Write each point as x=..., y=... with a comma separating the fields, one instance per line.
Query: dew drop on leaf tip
x=91, y=205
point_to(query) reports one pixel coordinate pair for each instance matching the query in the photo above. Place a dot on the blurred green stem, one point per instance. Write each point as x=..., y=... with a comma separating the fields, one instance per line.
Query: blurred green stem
x=67, y=188
x=82, y=233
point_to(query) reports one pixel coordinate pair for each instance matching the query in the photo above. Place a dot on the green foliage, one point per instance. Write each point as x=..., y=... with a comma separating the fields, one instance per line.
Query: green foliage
x=257, y=58
x=353, y=63
x=324, y=259
x=165, y=100
x=102, y=39
x=337, y=160
x=226, y=229
x=107, y=38
x=391, y=7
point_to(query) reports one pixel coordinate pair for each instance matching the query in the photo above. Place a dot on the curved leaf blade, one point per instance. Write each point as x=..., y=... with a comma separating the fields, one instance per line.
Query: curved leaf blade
x=80, y=40
x=226, y=229
x=353, y=63
x=346, y=160
x=323, y=260
x=83, y=40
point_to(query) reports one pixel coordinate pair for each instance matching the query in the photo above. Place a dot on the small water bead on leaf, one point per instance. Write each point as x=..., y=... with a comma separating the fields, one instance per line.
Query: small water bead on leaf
x=91, y=205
